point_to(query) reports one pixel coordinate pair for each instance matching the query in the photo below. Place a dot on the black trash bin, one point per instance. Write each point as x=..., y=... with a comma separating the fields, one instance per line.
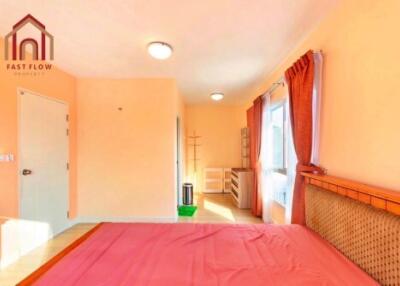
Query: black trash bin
x=187, y=194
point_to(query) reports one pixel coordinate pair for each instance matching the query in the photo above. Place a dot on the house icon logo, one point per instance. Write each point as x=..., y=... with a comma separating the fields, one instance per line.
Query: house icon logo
x=16, y=48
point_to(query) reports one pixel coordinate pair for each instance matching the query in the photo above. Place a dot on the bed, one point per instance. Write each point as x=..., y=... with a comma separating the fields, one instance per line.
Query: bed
x=347, y=241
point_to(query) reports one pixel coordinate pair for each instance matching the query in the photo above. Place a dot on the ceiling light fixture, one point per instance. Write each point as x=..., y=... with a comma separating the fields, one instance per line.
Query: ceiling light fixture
x=217, y=96
x=159, y=50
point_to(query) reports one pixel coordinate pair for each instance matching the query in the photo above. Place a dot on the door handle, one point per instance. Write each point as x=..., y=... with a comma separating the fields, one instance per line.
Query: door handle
x=26, y=172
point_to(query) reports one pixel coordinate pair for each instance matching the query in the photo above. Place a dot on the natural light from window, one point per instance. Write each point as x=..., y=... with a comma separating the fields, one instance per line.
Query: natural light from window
x=219, y=210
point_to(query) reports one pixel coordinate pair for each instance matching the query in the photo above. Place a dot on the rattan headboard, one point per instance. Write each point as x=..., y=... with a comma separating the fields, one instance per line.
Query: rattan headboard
x=367, y=235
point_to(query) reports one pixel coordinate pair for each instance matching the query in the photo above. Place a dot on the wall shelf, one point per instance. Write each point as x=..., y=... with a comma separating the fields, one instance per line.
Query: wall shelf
x=245, y=147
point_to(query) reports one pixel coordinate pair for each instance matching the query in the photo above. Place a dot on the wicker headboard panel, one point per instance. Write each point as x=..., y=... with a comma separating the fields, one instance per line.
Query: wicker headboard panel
x=368, y=236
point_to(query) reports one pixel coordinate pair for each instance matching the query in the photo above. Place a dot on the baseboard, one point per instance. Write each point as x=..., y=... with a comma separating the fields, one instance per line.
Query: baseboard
x=86, y=219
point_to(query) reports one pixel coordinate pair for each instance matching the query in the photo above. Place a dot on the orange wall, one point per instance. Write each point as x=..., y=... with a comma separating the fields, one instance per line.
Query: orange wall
x=54, y=83
x=126, y=159
x=219, y=127
x=360, y=135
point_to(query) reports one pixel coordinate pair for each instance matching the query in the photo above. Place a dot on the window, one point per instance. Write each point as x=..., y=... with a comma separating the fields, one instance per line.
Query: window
x=279, y=134
x=279, y=151
x=278, y=159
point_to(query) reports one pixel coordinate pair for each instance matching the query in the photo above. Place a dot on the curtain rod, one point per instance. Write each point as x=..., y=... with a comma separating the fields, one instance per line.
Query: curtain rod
x=281, y=81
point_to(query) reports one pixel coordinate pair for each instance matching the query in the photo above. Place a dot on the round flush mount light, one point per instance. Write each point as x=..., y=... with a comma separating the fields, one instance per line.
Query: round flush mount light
x=159, y=50
x=217, y=96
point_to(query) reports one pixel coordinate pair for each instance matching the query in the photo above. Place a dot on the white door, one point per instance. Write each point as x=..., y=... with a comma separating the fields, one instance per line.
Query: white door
x=43, y=161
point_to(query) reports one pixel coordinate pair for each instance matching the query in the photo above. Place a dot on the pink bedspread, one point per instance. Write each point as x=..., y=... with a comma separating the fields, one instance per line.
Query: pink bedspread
x=203, y=254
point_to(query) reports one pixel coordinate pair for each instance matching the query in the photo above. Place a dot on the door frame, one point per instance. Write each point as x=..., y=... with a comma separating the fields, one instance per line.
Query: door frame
x=178, y=159
x=20, y=91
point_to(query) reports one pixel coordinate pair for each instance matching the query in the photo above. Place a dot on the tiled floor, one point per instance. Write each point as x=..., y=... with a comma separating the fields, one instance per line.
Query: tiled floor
x=213, y=208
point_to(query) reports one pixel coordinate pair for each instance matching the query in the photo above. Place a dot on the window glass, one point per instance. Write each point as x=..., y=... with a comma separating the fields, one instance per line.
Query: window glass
x=279, y=137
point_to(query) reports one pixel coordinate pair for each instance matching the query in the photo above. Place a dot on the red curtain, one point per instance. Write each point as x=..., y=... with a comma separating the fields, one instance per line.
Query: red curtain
x=254, y=120
x=300, y=80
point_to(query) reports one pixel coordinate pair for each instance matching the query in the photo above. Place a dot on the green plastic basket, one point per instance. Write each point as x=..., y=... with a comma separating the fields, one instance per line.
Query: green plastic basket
x=187, y=210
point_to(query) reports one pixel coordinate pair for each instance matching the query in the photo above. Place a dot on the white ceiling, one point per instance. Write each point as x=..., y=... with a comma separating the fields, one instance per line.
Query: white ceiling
x=219, y=45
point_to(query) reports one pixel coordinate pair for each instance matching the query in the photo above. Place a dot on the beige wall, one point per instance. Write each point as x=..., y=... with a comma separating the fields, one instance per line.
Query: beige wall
x=126, y=159
x=219, y=127
x=54, y=83
x=360, y=135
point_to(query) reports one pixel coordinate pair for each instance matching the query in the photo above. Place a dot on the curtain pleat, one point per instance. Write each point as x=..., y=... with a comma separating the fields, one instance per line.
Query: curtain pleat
x=254, y=121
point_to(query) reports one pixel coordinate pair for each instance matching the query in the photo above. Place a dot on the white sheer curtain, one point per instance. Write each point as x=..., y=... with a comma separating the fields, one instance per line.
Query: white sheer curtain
x=272, y=182
x=317, y=89
x=267, y=183
x=291, y=169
